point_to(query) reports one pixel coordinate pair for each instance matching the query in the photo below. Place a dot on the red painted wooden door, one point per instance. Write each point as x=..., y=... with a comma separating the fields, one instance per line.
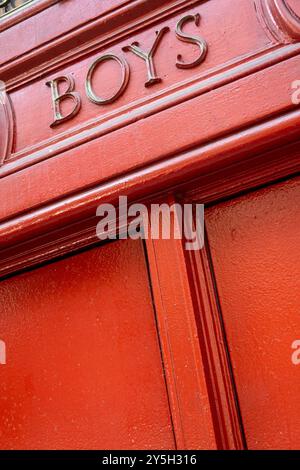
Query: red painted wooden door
x=254, y=242
x=84, y=368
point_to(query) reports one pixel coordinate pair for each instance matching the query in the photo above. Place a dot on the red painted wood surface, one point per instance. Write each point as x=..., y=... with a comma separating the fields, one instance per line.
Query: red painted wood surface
x=107, y=78
x=254, y=242
x=83, y=358
x=224, y=126
x=78, y=23
x=187, y=384
x=242, y=60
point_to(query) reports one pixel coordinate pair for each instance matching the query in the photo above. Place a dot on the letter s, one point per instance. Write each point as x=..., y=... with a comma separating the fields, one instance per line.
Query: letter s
x=201, y=43
x=296, y=354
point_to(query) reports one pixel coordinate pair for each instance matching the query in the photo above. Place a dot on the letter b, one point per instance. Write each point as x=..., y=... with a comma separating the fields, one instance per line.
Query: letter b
x=58, y=97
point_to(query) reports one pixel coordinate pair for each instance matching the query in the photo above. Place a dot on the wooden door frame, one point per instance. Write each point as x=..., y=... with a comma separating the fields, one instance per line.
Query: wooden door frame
x=250, y=150
x=177, y=329
x=200, y=386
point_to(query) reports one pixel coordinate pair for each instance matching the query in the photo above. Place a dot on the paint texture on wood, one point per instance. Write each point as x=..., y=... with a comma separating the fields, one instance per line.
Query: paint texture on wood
x=254, y=244
x=83, y=364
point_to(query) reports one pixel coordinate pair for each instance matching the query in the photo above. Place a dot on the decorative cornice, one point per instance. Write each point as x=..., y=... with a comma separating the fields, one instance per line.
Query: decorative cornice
x=24, y=12
x=280, y=19
x=226, y=152
x=110, y=26
x=6, y=126
x=147, y=106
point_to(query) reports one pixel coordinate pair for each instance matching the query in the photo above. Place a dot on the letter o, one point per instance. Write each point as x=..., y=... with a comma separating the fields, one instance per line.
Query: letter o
x=125, y=79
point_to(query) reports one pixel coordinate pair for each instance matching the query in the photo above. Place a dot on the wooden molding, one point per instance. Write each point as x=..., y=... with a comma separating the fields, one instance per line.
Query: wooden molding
x=249, y=137
x=24, y=12
x=185, y=374
x=142, y=107
x=139, y=109
x=178, y=337
x=242, y=156
x=180, y=308
x=145, y=107
x=108, y=27
x=224, y=405
x=271, y=117
x=6, y=126
x=280, y=19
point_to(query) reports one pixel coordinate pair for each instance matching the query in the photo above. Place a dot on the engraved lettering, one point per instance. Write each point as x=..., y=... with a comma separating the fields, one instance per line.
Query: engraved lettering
x=201, y=43
x=58, y=98
x=149, y=56
x=124, y=81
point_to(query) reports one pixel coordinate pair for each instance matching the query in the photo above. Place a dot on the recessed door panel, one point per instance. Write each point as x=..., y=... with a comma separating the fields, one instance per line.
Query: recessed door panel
x=255, y=247
x=83, y=367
